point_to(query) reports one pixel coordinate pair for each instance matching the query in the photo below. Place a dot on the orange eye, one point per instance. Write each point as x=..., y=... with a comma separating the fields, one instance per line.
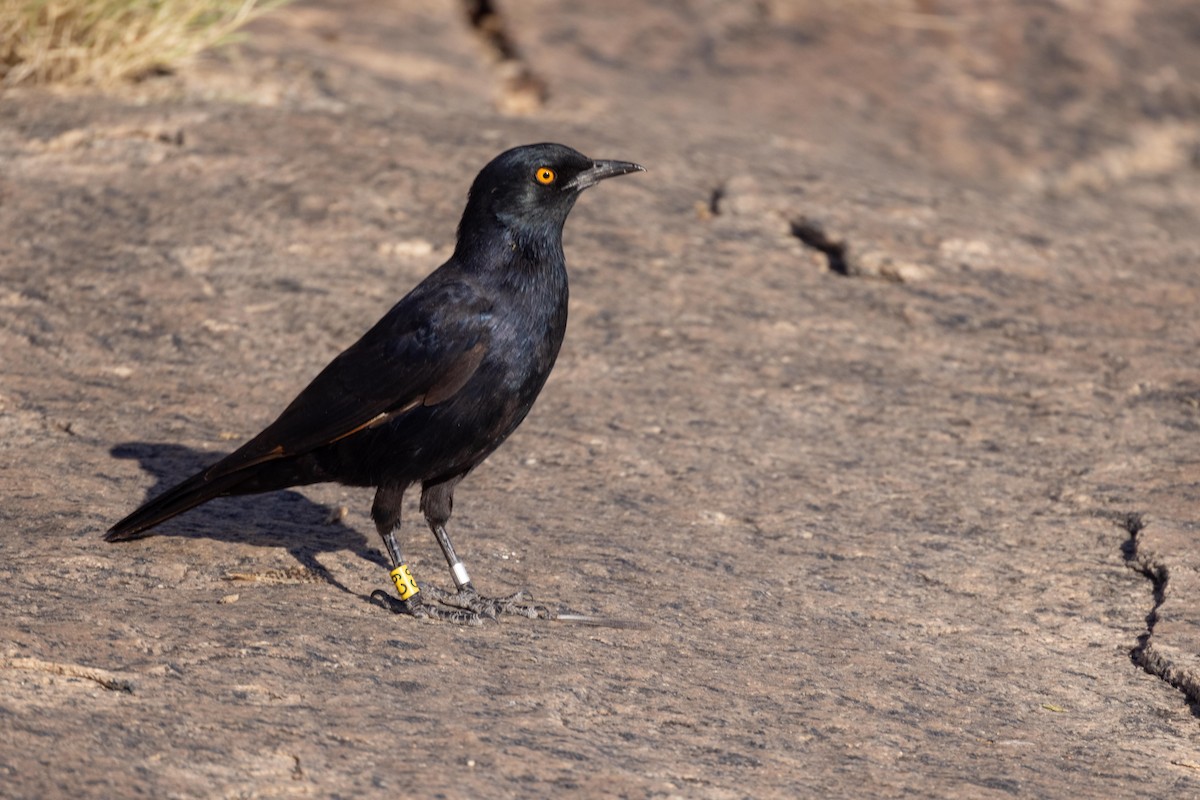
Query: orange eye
x=545, y=175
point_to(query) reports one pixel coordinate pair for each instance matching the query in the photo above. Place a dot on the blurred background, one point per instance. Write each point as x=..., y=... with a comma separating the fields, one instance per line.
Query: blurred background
x=1052, y=95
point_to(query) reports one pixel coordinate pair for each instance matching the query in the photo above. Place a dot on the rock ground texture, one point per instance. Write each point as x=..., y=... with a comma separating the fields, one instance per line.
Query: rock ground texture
x=924, y=528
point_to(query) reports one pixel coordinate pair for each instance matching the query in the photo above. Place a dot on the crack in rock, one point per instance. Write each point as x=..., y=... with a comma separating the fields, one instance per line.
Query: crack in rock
x=715, y=197
x=813, y=235
x=773, y=213
x=1144, y=654
x=859, y=263
x=109, y=680
x=521, y=91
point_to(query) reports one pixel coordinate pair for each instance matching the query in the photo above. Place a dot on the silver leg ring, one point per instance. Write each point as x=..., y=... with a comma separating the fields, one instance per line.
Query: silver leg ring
x=461, y=578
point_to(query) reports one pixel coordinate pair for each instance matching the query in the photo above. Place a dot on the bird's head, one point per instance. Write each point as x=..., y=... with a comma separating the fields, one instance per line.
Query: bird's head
x=530, y=190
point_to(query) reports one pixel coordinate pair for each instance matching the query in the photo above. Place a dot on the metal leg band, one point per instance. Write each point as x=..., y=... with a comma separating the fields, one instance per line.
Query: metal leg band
x=459, y=570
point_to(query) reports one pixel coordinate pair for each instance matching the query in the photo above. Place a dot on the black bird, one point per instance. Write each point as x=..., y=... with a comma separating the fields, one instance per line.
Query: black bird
x=436, y=385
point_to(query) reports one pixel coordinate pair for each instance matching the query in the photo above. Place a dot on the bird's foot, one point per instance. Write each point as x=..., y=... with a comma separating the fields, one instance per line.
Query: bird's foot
x=414, y=607
x=469, y=608
x=517, y=604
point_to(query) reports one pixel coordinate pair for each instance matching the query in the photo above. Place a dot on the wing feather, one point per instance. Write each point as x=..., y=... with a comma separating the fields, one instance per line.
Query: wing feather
x=422, y=352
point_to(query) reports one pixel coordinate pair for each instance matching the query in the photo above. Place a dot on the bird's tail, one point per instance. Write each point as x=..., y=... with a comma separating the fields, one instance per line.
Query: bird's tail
x=176, y=500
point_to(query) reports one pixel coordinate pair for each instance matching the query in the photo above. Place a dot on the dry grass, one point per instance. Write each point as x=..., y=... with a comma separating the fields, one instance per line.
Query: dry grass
x=100, y=42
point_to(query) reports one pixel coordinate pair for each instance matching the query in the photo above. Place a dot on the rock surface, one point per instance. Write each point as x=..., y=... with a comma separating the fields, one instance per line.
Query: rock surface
x=880, y=400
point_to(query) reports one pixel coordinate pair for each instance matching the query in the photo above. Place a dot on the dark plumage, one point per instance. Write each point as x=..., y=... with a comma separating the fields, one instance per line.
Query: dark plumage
x=437, y=384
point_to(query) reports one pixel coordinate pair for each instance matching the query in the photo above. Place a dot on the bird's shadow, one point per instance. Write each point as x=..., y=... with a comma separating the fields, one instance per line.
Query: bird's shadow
x=285, y=519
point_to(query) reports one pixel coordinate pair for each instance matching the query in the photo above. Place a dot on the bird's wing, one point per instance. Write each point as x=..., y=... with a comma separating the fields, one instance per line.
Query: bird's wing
x=422, y=352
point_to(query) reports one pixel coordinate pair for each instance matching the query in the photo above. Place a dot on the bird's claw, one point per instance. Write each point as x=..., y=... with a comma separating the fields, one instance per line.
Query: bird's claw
x=467, y=599
x=469, y=608
x=413, y=607
x=464, y=607
x=516, y=604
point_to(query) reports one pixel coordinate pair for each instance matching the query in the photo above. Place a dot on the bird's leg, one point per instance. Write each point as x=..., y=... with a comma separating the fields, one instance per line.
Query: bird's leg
x=386, y=513
x=437, y=501
x=468, y=598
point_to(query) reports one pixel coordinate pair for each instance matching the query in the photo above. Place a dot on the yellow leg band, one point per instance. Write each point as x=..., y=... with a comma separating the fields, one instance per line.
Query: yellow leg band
x=406, y=587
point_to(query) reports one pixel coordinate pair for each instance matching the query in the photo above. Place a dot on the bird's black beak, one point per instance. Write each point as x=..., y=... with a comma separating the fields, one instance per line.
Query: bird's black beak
x=601, y=170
